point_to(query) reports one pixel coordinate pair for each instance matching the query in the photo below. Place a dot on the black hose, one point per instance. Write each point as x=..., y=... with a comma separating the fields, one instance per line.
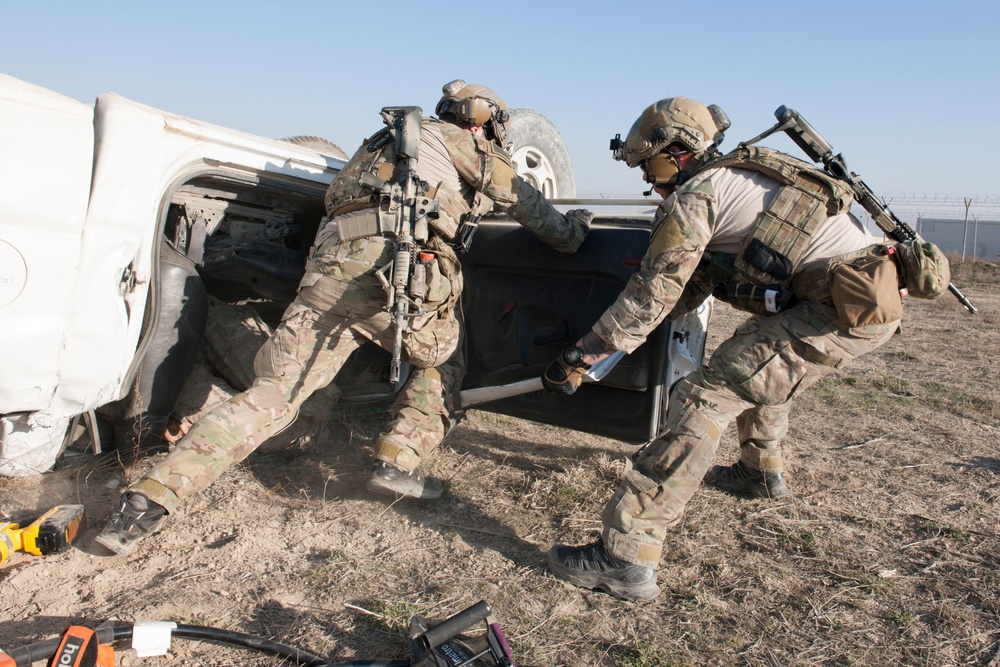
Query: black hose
x=24, y=656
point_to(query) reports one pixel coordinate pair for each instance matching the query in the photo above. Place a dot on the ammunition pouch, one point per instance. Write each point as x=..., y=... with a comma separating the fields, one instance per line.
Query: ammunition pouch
x=865, y=290
x=357, y=225
x=442, y=276
x=433, y=337
x=783, y=232
x=765, y=259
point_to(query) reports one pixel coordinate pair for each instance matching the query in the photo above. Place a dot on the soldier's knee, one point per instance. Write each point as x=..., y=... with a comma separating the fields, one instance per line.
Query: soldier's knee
x=268, y=397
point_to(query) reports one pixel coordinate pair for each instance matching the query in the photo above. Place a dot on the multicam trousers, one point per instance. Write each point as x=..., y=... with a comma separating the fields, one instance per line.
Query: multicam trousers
x=751, y=377
x=225, y=367
x=420, y=418
x=303, y=355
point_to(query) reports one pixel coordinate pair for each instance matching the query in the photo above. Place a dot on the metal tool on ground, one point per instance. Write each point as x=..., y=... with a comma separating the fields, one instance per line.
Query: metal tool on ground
x=51, y=533
x=440, y=644
x=471, y=397
x=444, y=645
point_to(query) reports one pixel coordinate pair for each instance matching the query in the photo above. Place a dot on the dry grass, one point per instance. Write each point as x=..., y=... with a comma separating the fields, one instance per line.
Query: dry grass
x=886, y=554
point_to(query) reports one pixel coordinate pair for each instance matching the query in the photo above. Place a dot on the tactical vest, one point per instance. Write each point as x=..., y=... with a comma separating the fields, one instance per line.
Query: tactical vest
x=350, y=192
x=782, y=232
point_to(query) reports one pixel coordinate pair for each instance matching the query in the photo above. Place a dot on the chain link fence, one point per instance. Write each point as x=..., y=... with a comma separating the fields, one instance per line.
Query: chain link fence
x=966, y=226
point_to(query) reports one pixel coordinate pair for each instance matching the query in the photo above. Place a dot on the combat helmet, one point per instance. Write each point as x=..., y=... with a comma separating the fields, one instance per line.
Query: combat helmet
x=699, y=129
x=473, y=104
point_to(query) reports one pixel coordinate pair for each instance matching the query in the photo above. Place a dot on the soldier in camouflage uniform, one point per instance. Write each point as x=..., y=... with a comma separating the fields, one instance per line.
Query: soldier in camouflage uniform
x=767, y=233
x=225, y=367
x=341, y=304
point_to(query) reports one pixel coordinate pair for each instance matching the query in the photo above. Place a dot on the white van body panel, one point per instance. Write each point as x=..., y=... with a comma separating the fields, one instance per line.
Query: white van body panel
x=83, y=195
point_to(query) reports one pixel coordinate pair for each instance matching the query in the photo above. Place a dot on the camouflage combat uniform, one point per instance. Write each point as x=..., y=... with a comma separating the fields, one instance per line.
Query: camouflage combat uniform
x=340, y=305
x=753, y=376
x=225, y=367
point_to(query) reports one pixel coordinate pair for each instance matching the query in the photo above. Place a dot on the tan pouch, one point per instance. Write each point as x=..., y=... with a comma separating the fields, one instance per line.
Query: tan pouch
x=865, y=290
x=434, y=342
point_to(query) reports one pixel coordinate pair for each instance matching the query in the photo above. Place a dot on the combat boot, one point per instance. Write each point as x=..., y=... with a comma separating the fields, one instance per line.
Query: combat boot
x=741, y=478
x=592, y=566
x=136, y=518
x=390, y=480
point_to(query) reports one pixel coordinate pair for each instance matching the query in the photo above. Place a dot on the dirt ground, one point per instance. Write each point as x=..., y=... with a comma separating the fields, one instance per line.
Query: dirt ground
x=887, y=553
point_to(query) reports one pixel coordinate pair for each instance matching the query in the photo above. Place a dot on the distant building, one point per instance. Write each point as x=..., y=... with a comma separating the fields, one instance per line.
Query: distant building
x=941, y=219
x=983, y=236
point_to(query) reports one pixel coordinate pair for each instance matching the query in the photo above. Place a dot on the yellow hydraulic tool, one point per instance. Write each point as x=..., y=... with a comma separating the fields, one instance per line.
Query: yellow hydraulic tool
x=51, y=533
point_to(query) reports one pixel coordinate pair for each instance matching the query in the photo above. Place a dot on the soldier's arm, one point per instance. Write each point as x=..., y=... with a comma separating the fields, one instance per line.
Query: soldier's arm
x=489, y=170
x=681, y=231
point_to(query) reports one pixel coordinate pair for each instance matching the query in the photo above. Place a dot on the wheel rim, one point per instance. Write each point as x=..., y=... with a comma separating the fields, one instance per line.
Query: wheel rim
x=533, y=165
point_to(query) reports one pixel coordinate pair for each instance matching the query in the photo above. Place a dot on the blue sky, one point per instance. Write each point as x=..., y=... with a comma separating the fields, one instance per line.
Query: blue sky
x=907, y=92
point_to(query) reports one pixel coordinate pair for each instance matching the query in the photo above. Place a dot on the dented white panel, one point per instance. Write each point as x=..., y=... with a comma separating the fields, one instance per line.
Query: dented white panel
x=83, y=190
x=142, y=153
x=46, y=153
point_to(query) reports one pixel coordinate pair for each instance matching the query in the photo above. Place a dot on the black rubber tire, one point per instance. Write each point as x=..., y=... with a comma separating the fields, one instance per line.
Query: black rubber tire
x=318, y=144
x=528, y=128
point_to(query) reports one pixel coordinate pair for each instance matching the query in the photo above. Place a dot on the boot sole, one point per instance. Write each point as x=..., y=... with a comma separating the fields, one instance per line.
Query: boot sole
x=772, y=493
x=386, y=488
x=112, y=543
x=619, y=589
x=756, y=489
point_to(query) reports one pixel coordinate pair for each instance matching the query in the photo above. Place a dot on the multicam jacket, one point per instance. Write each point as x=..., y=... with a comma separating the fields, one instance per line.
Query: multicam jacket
x=714, y=215
x=466, y=174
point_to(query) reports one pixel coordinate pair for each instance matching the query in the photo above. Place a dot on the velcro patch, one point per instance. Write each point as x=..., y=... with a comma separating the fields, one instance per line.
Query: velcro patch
x=668, y=236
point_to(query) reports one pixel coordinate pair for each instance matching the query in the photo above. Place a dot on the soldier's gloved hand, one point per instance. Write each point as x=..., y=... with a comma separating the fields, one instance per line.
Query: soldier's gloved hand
x=580, y=218
x=565, y=374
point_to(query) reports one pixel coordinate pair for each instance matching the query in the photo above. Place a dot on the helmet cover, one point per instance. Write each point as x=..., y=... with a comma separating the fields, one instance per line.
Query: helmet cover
x=474, y=104
x=673, y=120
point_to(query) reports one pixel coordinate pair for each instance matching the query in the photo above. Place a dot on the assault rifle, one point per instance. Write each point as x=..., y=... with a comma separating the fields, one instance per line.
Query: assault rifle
x=403, y=214
x=818, y=150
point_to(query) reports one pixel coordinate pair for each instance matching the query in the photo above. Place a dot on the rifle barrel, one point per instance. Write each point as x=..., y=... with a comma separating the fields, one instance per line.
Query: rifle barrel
x=961, y=298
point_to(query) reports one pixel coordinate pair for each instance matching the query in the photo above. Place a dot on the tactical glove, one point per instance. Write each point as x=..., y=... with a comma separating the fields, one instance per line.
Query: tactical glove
x=565, y=374
x=580, y=218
